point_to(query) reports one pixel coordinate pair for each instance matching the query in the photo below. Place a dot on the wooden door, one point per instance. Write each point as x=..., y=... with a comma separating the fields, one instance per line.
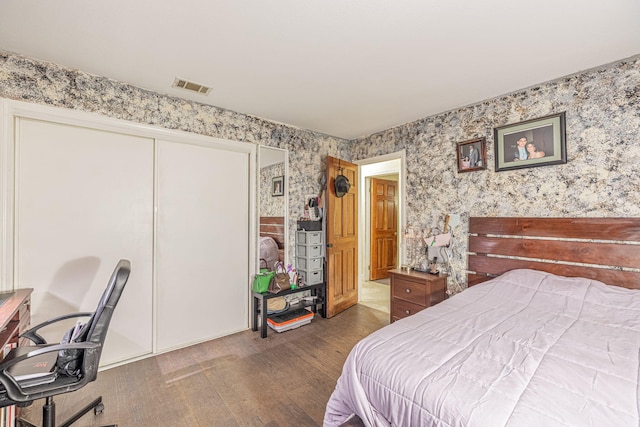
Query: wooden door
x=384, y=228
x=342, y=238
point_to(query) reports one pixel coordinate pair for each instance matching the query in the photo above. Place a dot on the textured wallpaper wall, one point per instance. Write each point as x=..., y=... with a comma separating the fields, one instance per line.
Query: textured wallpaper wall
x=603, y=143
x=603, y=149
x=30, y=80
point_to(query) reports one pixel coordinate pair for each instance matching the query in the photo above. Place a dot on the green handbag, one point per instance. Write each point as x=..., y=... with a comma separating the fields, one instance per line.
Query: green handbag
x=262, y=280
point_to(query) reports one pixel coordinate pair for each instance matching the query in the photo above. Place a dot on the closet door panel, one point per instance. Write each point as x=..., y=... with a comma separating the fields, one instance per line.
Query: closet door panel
x=202, y=243
x=84, y=199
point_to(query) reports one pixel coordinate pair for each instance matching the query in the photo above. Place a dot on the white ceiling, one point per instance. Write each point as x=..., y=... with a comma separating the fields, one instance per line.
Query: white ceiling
x=346, y=68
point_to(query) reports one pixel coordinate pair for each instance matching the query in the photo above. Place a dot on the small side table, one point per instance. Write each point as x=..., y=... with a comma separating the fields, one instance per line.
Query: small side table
x=260, y=302
x=412, y=291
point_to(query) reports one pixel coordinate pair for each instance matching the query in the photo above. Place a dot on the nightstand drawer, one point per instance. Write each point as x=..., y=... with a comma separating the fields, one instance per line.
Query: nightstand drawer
x=403, y=308
x=410, y=291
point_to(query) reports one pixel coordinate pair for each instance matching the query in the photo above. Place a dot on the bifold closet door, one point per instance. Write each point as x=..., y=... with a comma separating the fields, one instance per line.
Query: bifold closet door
x=202, y=243
x=84, y=200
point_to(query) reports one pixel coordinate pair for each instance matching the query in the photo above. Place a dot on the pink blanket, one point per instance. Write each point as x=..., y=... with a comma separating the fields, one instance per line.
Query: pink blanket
x=525, y=349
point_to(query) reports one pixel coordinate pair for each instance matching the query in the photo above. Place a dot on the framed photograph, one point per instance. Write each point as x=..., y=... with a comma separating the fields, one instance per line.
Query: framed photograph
x=472, y=155
x=277, y=186
x=537, y=142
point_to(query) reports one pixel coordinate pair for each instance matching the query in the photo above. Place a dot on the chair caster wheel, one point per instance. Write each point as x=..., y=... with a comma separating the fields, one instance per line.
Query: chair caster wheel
x=98, y=409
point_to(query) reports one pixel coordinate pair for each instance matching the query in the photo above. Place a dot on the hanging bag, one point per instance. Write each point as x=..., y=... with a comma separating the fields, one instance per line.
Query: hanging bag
x=262, y=280
x=281, y=280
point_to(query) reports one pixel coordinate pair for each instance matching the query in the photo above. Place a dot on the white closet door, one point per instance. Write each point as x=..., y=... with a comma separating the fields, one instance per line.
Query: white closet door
x=84, y=199
x=202, y=243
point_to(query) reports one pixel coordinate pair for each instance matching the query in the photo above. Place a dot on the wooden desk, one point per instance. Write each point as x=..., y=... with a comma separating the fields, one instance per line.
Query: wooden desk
x=15, y=316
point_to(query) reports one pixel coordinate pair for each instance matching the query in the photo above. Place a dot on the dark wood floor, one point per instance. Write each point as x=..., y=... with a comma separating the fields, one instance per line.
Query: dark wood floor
x=239, y=380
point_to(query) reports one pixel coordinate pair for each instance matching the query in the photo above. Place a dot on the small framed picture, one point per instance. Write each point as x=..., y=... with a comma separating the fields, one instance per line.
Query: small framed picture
x=277, y=186
x=472, y=155
x=537, y=142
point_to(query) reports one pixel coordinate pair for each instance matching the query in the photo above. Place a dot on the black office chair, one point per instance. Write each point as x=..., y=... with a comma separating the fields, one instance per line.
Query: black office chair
x=73, y=363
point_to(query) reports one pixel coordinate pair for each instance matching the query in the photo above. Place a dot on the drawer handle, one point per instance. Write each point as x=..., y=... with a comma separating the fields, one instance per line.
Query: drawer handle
x=408, y=290
x=407, y=312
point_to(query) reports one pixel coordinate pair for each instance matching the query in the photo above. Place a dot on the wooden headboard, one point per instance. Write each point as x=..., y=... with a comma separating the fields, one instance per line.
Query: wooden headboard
x=604, y=249
x=273, y=226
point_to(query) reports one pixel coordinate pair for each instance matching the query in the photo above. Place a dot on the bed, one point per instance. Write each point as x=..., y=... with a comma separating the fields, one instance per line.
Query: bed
x=271, y=245
x=537, y=339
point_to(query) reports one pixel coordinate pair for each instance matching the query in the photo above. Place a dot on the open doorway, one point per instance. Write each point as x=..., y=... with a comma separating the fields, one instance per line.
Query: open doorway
x=381, y=215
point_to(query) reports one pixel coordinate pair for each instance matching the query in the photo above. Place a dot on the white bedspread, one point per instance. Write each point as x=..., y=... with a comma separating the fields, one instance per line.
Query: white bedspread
x=525, y=349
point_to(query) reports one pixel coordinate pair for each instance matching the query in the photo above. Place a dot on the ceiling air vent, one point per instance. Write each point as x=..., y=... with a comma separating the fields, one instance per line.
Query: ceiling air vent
x=190, y=86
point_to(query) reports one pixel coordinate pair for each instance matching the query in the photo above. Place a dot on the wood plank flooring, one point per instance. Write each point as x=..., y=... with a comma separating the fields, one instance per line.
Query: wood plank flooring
x=241, y=380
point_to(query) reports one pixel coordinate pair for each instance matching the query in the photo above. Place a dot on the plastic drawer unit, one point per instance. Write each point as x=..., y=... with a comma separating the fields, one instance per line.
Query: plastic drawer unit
x=309, y=260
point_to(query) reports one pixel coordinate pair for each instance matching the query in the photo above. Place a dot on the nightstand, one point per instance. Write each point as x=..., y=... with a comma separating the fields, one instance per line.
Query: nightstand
x=412, y=291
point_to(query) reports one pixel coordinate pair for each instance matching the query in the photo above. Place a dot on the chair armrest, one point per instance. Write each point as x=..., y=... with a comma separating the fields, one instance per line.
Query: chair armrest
x=12, y=359
x=32, y=335
x=8, y=381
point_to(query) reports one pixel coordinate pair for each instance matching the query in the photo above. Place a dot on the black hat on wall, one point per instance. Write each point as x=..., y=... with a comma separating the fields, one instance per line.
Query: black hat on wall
x=342, y=185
